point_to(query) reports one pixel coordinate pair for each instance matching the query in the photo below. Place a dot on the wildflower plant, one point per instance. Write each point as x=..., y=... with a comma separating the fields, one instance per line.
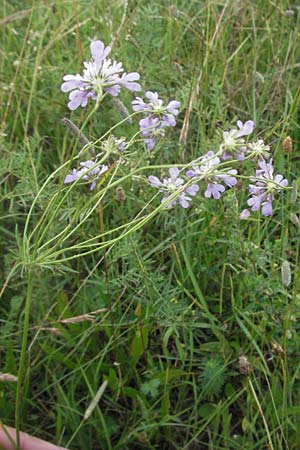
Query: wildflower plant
x=115, y=160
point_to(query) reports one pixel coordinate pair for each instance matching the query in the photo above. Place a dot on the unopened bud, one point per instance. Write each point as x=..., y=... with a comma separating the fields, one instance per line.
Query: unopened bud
x=74, y=130
x=122, y=109
x=289, y=13
x=295, y=220
x=286, y=277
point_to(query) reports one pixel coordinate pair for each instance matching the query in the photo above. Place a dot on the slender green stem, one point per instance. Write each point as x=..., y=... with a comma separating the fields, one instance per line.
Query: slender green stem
x=22, y=364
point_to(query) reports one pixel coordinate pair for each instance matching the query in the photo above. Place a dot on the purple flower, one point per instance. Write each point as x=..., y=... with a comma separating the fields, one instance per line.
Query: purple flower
x=89, y=171
x=158, y=116
x=155, y=108
x=171, y=185
x=100, y=74
x=233, y=145
x=152, y=129
x=209, y=171
x=266, y=184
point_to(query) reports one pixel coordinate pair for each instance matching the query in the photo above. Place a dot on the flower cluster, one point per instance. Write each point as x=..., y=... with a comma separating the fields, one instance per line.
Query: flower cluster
x=157, y=117
x=99, y=75
x=215, y=170
x=217, y=175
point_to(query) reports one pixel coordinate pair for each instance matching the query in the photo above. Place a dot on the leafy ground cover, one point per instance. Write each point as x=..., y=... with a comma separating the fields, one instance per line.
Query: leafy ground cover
x=183, y=333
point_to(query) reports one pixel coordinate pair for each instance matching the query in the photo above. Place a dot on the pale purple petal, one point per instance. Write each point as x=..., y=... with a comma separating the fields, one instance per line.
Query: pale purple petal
x=279, y=179
x=214, y=190
x=171, y=204
x=155, y=182
x=127, y=80
x=190, y=173
x=244, y=129
x=147, y=124
x=173, y=107
x=192, y=190
x=138, y=104
x=88, y=164
x=226, y=156
x=255, y=202
x=169, y=120
x=184, y=200
x=174, y=172
x=152, y=96
x=113, y=90
x=150, y=143
x=266, y=208
x=245, y=214
x=229, y=180
x=97, y=48
x=72, y=82
x=73, y=176
x=78, y=98
x=98, y=52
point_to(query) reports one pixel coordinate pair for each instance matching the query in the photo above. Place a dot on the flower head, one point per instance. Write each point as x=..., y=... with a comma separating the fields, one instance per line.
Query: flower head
x=114, y=145
x=258, y=150
x=208, y=170
x=157, y=117
x=233, y=144
x=99, y=75
x=173, y=184
x=264, y=187
x=155, y=108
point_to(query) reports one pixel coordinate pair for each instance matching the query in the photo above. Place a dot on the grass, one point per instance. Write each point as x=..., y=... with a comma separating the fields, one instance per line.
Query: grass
x=181, y=330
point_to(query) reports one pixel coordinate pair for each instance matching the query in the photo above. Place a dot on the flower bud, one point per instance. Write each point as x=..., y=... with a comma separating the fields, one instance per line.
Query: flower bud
x=74, y=130
x=122, y=109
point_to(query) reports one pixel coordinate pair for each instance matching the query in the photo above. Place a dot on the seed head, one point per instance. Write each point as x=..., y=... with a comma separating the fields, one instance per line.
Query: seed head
x=287, y=145
x=120, y=194
x=244, y=365
x=277, y=349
